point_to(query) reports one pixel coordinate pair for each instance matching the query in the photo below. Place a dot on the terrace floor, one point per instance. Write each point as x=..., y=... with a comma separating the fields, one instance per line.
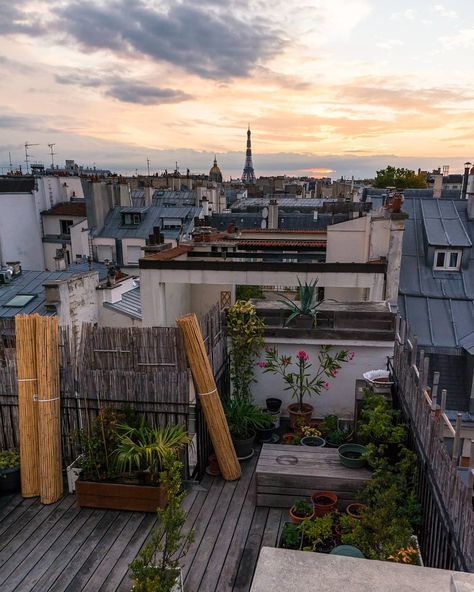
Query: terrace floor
x=62, y=547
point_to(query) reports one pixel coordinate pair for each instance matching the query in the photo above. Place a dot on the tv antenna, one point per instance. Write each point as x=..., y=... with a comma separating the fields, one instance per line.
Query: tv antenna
x=148, y=165
x=10, y=160
x=28, y=155
x=51, y=148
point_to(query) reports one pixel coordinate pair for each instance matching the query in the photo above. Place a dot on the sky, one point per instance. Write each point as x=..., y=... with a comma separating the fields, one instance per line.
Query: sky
x=329, y=87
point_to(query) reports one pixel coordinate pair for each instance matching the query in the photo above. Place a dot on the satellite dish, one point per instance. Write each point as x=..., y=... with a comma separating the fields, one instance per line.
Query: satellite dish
x=263, y=224
x=265, y=212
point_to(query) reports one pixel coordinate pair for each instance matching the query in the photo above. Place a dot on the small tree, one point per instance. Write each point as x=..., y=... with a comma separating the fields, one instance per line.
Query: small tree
x=400, y=178
x=245, y=330
x=156, y=568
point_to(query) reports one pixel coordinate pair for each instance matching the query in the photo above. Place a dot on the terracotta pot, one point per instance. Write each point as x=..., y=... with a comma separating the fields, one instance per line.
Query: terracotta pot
x=354, y=510
x=297, y=519
x=324, y=502
x=295, y=413
x=213, y=466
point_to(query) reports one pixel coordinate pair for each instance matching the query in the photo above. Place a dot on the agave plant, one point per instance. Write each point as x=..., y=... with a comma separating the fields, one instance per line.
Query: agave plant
x=308, y=302
x=145, y=448
x=244, y=418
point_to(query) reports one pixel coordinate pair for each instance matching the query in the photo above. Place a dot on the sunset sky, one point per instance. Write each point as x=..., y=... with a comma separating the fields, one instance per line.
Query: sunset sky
x=339, y=87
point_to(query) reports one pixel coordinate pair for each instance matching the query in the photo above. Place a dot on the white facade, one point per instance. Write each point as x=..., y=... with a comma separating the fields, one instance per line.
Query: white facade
x=20, y=219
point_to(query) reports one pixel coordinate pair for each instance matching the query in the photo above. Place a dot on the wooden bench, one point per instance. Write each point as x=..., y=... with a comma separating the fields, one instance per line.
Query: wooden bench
x=285, y=473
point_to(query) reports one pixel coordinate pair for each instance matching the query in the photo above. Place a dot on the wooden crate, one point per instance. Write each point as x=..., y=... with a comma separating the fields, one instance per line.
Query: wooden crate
x=118, y=496
x=285, y=473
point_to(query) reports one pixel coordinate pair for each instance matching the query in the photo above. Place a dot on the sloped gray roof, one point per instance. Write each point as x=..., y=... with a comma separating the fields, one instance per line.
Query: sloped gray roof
x=151, y=217
x=439, y=306
x=442, y=224
x=31, y=282
x=130, y=304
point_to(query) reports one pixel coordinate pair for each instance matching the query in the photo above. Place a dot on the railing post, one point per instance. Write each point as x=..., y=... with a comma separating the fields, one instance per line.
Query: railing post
x=434, y=391
x=457, y=440
x=470, y=481
x=414, y=344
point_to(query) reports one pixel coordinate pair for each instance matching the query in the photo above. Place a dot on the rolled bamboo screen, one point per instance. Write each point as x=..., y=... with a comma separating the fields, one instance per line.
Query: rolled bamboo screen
x=25, y=329
x=209, y=397
x=48, y=402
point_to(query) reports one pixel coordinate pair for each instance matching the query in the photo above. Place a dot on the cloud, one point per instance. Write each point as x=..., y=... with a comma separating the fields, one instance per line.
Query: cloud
x=16, y=20
x=445, y=12
x=409, y=14
x=463, y=38
x=133, y=92
x=197, y=38
x=389, y=43
x=123, y=89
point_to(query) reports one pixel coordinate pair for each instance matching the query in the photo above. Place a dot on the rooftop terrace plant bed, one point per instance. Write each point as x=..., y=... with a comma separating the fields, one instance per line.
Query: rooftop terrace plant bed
x=120, y=496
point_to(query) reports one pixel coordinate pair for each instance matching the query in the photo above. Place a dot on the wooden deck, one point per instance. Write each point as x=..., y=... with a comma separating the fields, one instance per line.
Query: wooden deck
x=64, y=548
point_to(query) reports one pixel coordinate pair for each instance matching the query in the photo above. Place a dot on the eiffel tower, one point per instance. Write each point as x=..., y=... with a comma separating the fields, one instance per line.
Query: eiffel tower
x=248, y=176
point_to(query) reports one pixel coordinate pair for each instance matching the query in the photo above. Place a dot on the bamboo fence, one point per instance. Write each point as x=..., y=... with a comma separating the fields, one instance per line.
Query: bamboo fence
x=27, y=407
x=210, y=401
x=49, y=411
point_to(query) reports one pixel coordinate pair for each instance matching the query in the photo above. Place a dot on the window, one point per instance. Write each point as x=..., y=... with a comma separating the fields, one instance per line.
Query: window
x=66, y=226
x=447, y=260
x=131, y=219
x=20, y=300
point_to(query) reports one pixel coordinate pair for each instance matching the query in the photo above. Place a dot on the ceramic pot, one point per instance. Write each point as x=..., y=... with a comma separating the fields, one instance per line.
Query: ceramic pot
x=324, y=502
x=313, y=441
x=273, y=404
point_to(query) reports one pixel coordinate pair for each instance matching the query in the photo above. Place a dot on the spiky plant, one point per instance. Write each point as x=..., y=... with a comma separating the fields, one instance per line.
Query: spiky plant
x=309, y=302
x=145, y=448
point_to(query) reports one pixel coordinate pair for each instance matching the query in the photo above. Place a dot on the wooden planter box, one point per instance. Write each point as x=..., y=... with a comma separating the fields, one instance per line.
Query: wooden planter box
x=118, y=496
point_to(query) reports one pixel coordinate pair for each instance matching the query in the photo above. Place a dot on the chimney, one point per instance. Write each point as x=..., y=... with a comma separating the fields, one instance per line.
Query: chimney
x=148, y=196
x=470, y=195
x=467, y=167
x=273, y=214
x=437, y=186
x=205, y=206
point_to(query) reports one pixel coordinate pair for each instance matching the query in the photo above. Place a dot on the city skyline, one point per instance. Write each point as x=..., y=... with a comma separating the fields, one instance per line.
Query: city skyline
x=329, y=88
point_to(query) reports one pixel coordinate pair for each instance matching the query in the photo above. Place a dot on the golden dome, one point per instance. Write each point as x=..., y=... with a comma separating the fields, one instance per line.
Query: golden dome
x=215, y=172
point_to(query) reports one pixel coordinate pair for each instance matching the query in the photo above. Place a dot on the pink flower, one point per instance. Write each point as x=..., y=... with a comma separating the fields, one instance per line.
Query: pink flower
x=302, y=356
x=326, y=385
x=351, y=355
x=261, y=364
x=269, y=349
x=334, y=373
x=285, y=361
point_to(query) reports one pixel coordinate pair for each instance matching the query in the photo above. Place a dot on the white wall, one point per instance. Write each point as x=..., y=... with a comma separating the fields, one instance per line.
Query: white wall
x=340, y=398
x=205, y=296
x=80, y=239
x=20, y=231
x=131, y=242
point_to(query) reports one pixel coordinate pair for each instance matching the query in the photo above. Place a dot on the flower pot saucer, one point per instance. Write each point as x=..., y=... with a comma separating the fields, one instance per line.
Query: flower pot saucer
x=212, y=473
x=246, y=457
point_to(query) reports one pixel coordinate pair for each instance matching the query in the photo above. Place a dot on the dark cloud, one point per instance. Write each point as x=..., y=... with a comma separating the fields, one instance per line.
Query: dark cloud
x=122, y=89
x=132, y=92
x=210, y=43
x=15, y=121
x=15, y=19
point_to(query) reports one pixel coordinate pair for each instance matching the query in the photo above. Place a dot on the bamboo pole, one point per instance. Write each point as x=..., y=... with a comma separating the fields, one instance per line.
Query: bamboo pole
x=25, y=329
x=209, y=397
x=49, y=418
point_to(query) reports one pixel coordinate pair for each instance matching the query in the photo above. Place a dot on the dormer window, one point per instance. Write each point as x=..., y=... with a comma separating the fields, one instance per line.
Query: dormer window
x=447, y=260
x=131, y=219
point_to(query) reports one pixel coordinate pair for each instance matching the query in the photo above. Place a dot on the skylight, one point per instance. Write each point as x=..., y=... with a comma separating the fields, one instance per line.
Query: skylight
x=20, y=300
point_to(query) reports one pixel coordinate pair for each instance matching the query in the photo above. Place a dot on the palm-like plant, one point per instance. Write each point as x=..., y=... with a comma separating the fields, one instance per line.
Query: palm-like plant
x=145, y=448
x=308, y=302
x=244, y=418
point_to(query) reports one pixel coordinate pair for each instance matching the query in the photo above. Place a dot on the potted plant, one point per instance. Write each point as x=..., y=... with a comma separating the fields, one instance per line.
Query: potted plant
x=300, y=510
x=273, y=404
x=356, y=510
x=121, y=463
x=302, y=381
x=244, y=419
x=290, y=537
x=245, y=331
x=324, y=502
x=352, y=455
x=9, y=472
x=332, y=432
x=157, y=566
x=303, y=314
x=267, y=430
x=310, y=436
x=318, y=534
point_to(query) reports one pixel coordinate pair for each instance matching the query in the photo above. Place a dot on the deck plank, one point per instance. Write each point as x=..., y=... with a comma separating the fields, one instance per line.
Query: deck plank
x=223, y=541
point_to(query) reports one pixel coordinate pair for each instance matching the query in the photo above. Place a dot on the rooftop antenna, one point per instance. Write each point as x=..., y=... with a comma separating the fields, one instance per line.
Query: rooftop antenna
x=27, y=156
x=51, y=148
x=10, y=159
x=148, y=165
